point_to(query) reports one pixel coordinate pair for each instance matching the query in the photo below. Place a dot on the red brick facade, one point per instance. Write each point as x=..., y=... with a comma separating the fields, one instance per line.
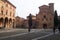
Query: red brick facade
x=45, y=17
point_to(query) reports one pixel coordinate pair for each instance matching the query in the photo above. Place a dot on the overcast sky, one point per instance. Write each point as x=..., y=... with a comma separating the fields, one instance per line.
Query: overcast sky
x=25, y=7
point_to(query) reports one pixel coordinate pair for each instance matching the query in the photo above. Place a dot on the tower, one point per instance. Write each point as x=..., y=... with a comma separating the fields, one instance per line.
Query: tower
x=51, y=8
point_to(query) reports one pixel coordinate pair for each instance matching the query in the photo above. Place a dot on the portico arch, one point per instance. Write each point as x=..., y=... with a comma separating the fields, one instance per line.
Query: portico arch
x=6, y=22
x=1, y=23
x=10, y=23
x=13, y=23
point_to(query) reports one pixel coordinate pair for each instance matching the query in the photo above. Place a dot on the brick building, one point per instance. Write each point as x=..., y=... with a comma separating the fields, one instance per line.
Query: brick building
x=7, y=14
x=19, y=22
x=45, y=17
x=33, y=21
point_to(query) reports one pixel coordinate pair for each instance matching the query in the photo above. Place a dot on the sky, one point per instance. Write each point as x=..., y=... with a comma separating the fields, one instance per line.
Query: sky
x=25, y=7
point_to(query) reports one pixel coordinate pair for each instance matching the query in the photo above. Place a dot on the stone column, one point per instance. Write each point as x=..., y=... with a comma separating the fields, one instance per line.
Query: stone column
x=14, y=24
x=4, y=23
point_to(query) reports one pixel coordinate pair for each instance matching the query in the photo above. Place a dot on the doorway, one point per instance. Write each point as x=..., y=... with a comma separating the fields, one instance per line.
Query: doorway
x=44, y=26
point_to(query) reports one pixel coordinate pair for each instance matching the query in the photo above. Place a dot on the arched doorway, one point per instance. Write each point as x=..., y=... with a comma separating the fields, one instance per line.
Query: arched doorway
x=1, y=23
x=6, y=22
x=44, y=26
x=13, y=23
x=10, y=23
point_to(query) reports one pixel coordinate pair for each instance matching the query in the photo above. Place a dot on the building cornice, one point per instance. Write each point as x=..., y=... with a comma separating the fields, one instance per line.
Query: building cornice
x=10, y=3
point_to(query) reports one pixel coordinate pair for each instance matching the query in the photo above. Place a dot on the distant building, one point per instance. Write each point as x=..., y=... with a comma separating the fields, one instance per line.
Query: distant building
x=45, y=17
x=19, y=22
x=58, y=17
x=33, y=21
x=7, y=14
x=25, y=24
x=43, y=20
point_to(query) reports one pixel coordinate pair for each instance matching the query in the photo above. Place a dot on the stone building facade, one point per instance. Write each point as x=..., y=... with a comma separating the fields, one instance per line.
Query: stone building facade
x=7, y=14
x=45, y=17
x=19, y=22
x=25, y=24
x=33, y=21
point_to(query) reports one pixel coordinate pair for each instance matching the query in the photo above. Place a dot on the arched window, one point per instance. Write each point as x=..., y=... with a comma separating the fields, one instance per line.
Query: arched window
x=44, y=16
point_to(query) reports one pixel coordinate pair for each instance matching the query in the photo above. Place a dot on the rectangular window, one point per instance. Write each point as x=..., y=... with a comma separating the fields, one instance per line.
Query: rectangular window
x=2, y=12
x=2, y=8
x=6, y=12
x=13, y=15
x=10, y=13
x=6, y=5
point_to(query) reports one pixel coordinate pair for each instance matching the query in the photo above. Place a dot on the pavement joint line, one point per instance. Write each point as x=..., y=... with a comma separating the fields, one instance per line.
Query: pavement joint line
x=7, y=31
x=44, y=36
x=12, y=36
x=12, y=31
x=15, y=35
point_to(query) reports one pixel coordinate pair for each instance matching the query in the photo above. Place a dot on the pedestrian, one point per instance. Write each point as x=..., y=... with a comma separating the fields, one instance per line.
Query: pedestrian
x=54, y=29
x=59, y=26
x=59, y=29
x=29, y=22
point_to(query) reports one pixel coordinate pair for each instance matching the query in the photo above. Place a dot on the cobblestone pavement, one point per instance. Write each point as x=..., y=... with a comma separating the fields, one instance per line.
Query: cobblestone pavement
x=52, y=37
x=27, y=36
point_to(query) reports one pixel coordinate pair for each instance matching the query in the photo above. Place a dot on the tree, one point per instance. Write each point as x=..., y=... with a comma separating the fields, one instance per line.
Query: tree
x=30, y=22
x=55, y=21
